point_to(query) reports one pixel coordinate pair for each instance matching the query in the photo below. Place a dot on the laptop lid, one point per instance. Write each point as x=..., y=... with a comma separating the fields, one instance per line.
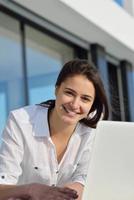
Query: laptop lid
x=111, y=169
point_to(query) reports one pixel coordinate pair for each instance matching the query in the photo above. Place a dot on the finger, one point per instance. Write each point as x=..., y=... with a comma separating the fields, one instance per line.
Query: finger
x=11, y=198
x=66, y=191
x=69, y=191
x=62, y=196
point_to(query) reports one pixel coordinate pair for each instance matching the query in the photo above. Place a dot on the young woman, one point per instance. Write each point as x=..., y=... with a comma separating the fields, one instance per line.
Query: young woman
x=46, y=148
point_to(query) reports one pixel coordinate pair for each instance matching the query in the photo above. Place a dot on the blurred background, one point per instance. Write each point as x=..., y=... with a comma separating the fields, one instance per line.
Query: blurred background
x=38, y=37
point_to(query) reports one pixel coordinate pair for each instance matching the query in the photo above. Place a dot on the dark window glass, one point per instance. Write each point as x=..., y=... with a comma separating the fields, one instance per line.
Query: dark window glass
x=11, y=73
x=45, y=57
x=114, y=92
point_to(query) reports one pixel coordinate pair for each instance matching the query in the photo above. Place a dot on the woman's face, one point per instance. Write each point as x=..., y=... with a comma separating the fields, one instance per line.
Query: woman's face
x=74, y=99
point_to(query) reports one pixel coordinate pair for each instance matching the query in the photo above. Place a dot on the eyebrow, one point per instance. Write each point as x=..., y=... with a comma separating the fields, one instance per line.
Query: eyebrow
x=84, y=95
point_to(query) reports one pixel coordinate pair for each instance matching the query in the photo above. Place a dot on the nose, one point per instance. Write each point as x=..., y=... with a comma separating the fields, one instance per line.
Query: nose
x=75, y=104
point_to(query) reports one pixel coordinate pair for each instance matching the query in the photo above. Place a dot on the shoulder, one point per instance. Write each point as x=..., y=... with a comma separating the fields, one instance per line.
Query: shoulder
x=84, y=130
x=86, y=133
x=27, y=113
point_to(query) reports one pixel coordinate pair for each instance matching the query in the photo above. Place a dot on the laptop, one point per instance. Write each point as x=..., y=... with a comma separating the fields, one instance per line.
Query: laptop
x=111, y=169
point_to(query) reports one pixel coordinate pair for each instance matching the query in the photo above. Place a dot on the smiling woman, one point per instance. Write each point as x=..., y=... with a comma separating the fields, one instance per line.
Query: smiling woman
x=74, y=98
x=50, y=144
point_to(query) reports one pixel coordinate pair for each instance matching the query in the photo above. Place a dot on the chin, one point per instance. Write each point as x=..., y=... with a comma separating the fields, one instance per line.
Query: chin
x=70, y=121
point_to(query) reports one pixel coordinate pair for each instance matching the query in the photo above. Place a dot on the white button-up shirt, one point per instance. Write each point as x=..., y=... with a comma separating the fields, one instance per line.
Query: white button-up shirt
x=28, y=154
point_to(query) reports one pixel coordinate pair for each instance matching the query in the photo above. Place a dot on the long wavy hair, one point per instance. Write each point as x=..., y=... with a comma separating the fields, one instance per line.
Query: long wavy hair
x=83, y=67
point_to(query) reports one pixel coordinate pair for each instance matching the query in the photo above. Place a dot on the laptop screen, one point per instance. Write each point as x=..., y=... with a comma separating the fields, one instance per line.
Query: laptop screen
x=111, y=168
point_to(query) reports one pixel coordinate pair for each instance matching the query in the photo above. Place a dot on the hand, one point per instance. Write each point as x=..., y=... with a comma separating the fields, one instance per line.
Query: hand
x=14, y=198
x=20, y=198
x=43, y=192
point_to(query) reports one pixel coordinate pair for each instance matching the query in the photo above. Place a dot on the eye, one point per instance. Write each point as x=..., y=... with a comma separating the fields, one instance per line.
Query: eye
x=69, y=93
x=86, y=99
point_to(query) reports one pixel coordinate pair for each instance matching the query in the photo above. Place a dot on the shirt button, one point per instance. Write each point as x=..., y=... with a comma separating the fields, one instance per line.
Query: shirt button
x=53, y=185
x=2, y=177
x=35, y=167
x=57, y=172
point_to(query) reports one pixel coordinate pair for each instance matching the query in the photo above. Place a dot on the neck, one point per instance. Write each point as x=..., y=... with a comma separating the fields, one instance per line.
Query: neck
x=58, y=127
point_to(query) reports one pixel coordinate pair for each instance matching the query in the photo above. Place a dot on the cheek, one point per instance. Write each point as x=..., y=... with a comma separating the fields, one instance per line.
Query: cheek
x=64, y=99
x=61, y=99
x=86, y=109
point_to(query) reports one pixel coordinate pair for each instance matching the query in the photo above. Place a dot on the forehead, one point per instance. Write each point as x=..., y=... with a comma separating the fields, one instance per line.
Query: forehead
x=79, y=83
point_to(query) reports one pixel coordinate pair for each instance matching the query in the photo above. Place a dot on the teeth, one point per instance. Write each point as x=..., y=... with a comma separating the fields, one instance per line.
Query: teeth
x=69, y=111
x=66, y=109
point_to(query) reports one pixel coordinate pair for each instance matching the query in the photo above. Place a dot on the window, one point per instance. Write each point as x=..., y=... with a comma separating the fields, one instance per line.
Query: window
x=120, y=2
x=11, y=73
x=116, y=95
x=3, y=101
x=30, y=61
x=45, y=57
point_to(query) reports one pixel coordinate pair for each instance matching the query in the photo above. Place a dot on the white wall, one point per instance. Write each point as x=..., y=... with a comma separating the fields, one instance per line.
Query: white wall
x=100, y=21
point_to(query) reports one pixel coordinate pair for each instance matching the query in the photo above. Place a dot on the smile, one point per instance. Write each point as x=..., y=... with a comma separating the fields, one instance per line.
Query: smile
x=70, y=112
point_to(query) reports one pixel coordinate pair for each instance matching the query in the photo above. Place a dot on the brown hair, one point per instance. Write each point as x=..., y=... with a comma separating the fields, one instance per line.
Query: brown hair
x=100, y=105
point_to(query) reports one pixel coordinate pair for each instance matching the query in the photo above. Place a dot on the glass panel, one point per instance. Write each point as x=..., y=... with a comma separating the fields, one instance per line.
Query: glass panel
x=114, y=92
x=45, y=57
x=11, y=80
x=120, y=2
x=3, y=109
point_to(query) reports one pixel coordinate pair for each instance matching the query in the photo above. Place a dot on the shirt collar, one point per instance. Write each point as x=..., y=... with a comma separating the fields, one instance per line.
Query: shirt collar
x=41, y=127
x=82, y=129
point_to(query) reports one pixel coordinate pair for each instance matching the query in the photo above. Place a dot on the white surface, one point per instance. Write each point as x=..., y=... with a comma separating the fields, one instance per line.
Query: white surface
x=111, y=171
x=102, y=22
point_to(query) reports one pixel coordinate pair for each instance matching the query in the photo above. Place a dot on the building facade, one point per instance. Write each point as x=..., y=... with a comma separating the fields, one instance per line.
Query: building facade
x=38, y=37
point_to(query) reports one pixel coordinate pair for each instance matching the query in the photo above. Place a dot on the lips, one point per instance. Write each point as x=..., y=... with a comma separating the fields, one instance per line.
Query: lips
x=70, y=112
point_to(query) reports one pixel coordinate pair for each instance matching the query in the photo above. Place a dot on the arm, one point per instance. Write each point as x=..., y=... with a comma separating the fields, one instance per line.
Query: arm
x=80, y=174
x=13, y=191
x=78, y=187
x=36, y=191
x=11, y=152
